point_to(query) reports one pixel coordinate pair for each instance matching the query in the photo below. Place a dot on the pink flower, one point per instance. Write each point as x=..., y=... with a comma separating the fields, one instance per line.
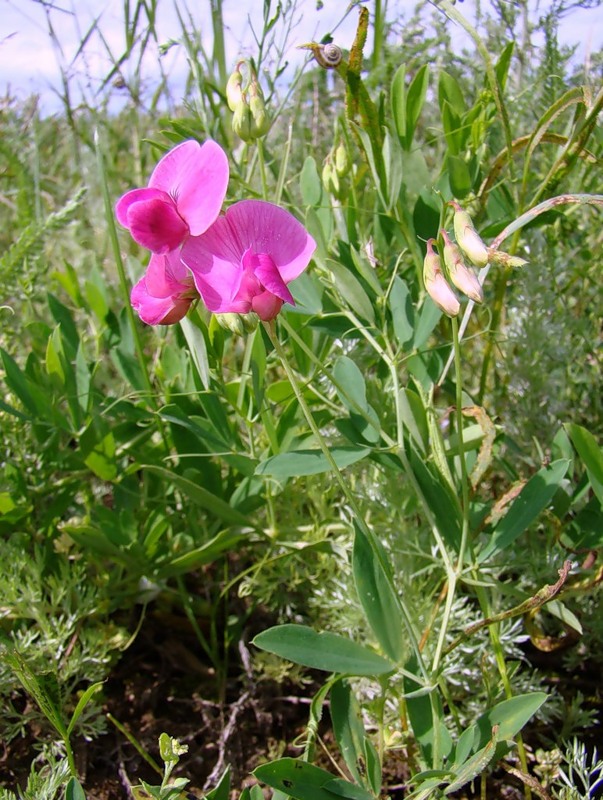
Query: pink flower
x=165, y=292
x=184, y=196
x=246, y=259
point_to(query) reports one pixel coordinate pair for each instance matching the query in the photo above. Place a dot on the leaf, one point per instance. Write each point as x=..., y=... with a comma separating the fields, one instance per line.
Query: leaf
x=82, y=703
x=201, y=496
x=377, y=596
x=304, y=781
x=309, y=462
x=326, y=651
x=402, y=311
x=398, y=101
x=354, y=745
x=449, y=91
x=458, y=174
x=350, y=288
x=510, y=716
x=97, y=447
x=222, y=790
x=310, y=183
x=533, y=498
x=197, y=348
x=415, y=99
x=206, y=554
x=590, y=453
x=74, y=790
x=424, y=714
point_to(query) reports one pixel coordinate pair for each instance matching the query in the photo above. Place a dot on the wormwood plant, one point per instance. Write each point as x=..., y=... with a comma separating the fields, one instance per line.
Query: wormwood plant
x=324, y=406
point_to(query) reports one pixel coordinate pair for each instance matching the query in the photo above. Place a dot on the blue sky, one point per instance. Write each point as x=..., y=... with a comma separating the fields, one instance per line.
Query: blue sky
x=30, y=64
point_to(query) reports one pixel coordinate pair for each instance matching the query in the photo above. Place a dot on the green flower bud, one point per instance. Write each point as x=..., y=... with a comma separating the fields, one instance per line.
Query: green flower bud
x=467, y=237
x=459, y=273
x=342, y=162
x=239, y=324
x=260, y=123
x=330, y=179
x=234, y=90
x=241, y=121
x=436, y=285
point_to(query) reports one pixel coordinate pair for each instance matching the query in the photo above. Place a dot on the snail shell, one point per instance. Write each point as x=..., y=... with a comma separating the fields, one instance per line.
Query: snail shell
x=328, y=55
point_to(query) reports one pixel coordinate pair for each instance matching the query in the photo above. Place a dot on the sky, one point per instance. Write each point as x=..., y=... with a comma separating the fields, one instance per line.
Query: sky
x=30, y=63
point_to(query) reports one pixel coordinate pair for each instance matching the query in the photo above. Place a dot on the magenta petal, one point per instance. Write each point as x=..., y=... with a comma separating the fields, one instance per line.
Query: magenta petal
x=196, y=177
x=156, y=224
x=215, y=259
x=266, y=305
x=134, y=196
x=151, y=310
x=270, y=278
x=266, y=228
x=166, y=275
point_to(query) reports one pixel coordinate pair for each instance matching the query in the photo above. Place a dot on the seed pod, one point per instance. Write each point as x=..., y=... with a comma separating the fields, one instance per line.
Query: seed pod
x=459, y=273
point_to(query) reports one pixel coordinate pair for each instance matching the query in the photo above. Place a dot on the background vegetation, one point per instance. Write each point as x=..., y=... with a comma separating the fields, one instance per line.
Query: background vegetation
x=156, y=501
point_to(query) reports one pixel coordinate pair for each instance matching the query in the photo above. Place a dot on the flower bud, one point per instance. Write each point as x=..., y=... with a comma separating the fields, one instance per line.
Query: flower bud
x=260, y=123
x=234, y=91
x=467, y=237
x=506, y=260
x=241, y=121
x=436, y=285
x=330, y=179
x=459, y=273
x=342, y=162
x=239, y=324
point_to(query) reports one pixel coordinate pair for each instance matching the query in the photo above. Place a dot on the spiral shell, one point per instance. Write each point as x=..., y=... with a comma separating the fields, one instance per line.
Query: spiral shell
x=328, y=55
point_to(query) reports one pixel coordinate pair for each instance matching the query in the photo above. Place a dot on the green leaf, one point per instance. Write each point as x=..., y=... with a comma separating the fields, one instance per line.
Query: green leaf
x=82, y=703
x=415, y=99
x=510, y=716
x=503, y=64
x=326, y=651
x=459, y=176
x=222, y=790
x=206, y=554
x=398, y=101
x=590, y=453
x=348, y=375
x=309, y=462
x=449, y=91
x=198, y=349
x=355, y=746
x=350, y=288
x=304, y=781
x=533, y=498
x=97, y=447
x=402, y=311
x=74, y=790
x=201, y=496
x=425, y=714
x=55, y=356
x=377, y=595
x=310, y=183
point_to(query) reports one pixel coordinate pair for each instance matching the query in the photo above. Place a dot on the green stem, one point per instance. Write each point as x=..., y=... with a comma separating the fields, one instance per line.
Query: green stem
x=345, y=489
x=262, y=163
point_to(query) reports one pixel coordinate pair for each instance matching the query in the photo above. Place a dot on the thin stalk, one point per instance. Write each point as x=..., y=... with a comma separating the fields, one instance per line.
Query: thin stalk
x=262, y=163
x=123, y=281
x=345, y=489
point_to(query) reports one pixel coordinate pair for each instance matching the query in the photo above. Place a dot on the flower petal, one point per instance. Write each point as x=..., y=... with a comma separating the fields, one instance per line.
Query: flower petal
x=270, y=278
x=266, y=305
x=266, y=228
x=134, y=196
x=156, y=224
x=196, y=177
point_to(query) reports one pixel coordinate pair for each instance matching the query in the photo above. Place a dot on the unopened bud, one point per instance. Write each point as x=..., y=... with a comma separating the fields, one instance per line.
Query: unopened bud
x=330, y=179
x=342, y=162
x=467, y=237
x=506, y=260
x=234, y=91
x=436, y=285
x=241, y=121
x=459, y=273
x=239, y=324
x=260, y=123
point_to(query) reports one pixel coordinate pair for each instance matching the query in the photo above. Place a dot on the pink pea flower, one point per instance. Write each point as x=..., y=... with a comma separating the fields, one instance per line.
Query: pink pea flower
x=184, y=196
x=246, y=259
x=165, y=292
